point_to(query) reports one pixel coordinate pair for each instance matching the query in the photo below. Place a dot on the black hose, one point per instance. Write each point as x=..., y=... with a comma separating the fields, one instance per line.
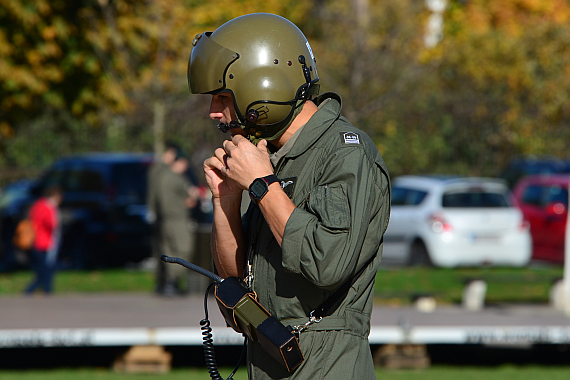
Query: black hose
x=195, y=268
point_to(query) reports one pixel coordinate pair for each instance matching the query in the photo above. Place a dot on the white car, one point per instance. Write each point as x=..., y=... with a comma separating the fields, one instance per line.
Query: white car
x=455, y=221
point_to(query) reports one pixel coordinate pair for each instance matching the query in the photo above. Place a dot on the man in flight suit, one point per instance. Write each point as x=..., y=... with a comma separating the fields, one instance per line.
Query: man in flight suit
x=320, y=193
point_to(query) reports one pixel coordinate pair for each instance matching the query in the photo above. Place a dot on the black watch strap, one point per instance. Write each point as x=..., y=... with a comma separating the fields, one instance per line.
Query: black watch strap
x=260, y=186
x=269, y=179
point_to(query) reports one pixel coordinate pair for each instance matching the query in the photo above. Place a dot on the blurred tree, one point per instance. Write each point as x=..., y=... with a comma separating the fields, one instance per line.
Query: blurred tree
x=144, y=47
x=504, y=69
x=368, y=52
x=495, y=86
x=118, y=68
x=45, y=66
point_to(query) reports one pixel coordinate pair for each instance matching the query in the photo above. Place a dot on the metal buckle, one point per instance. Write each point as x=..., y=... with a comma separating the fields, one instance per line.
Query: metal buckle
x=312, y=319
x=249, y=277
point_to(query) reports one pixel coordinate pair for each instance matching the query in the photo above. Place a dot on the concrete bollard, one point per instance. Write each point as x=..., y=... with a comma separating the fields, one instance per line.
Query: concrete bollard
x=474, y=295
x=425, y=304
x=557, y=295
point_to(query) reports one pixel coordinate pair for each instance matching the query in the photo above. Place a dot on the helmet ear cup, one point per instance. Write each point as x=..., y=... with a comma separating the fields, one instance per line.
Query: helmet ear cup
x=267, y=90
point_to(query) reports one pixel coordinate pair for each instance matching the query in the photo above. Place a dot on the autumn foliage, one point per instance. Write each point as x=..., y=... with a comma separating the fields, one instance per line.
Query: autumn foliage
x=111, y=75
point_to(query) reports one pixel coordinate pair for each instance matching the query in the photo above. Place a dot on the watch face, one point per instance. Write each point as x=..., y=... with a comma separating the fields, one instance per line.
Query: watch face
x=258, y=188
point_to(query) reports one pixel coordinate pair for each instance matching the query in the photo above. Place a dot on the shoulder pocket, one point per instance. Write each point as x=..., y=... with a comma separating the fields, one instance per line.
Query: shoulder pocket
x=330, y=205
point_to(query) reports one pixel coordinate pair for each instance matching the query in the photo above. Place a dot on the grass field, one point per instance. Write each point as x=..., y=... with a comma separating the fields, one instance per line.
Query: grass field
x=507, y=372
x=393, y=285
x=509, y=285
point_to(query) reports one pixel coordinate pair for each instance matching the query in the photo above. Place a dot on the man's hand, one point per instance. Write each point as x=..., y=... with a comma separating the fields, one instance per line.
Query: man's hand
x=219, y=184
x=243, y=162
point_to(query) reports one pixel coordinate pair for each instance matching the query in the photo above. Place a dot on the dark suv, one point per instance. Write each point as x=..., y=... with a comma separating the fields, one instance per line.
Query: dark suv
x=523, y=166
x=103, y=214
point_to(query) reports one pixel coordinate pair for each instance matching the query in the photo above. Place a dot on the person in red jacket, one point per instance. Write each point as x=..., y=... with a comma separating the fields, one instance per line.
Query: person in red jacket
x=44, y=215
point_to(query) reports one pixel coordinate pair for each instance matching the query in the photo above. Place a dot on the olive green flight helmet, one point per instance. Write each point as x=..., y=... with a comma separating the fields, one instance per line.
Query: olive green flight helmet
x=265, y=61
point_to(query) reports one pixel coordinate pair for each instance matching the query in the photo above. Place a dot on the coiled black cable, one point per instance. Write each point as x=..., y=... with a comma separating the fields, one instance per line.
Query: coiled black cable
x=208, y=343
x=209, y=354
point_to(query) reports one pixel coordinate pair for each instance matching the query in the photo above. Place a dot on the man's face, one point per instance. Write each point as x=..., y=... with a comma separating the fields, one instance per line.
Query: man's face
x=222, y=109
x=169, y=156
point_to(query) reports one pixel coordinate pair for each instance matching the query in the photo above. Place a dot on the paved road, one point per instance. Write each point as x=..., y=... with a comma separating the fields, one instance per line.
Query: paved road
x=132, y=319
x=145, y=310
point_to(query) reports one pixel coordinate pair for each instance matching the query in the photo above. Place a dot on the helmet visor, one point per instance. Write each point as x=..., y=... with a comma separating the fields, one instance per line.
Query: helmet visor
x=208, y=64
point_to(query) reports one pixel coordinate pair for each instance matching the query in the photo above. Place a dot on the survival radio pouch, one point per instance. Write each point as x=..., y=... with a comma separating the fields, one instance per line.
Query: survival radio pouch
x=245, y=315
x=242, y=312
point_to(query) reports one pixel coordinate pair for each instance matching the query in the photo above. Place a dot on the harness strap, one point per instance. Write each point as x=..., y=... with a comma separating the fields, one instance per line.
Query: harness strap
x=352, y=321
x=328, y=323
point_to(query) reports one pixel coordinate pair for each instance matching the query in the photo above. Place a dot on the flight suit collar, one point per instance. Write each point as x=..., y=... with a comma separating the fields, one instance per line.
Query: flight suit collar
x=318, y=123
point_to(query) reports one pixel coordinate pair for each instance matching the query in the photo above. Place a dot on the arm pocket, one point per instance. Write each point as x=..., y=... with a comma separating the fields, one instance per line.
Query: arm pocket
x=330, y=205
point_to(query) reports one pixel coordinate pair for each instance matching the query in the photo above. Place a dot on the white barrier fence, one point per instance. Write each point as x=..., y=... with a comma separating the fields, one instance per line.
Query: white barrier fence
x=227, y=337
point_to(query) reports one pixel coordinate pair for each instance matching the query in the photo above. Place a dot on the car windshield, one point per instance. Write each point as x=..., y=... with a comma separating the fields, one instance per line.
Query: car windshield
x=541, y=195
x=130, y=181
x=402, y=196
x=473, y=199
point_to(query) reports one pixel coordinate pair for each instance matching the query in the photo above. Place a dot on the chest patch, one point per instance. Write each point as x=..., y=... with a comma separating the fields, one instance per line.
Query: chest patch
x=288, y=186
x=350, y=138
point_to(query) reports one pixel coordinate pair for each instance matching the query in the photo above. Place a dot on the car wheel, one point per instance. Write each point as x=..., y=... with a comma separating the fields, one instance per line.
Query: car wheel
x=419, y=255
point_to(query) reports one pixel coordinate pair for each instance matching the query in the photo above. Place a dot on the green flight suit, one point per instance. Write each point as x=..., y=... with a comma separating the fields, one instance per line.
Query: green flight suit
x=174, y=218
x=340, y=186
x=155, y=173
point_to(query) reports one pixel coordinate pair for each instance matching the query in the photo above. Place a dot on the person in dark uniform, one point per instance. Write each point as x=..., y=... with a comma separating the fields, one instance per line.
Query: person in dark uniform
x=154, y=177
x=177, y=239
x=319, y=189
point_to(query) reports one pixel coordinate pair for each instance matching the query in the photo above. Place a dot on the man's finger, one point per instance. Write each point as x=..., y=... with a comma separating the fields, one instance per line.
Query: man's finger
x=262, y=146
x=237, y=139
x=228, y=145
x=214, y=163
x=220, y=154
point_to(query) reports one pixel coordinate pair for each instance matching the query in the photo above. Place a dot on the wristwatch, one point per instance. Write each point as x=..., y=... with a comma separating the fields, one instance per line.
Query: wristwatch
x=260, y=186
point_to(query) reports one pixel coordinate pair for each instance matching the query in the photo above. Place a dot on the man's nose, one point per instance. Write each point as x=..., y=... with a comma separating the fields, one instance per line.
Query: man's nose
x=215, y=110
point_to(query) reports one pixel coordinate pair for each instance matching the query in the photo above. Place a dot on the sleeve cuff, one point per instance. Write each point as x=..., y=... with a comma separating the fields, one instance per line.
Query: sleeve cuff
x=293, y=236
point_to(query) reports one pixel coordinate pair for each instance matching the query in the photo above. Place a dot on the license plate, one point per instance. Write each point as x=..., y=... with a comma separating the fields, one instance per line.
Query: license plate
x=484, y=238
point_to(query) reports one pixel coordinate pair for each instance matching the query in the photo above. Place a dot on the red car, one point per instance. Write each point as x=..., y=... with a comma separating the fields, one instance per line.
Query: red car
x=543, y=200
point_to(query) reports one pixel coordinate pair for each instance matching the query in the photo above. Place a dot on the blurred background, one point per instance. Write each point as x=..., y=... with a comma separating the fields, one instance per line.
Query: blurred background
x=465, y=99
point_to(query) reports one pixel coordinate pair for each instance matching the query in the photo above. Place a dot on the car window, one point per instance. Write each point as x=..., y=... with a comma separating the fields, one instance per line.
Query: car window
x=472, y=199
x=399, y=196
x=54, y=177
x=541, y=195
x=14, y=192
x=532, y=195
x=129, y=181
x=556, y=194
x=83, y=179
x=402, y=196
